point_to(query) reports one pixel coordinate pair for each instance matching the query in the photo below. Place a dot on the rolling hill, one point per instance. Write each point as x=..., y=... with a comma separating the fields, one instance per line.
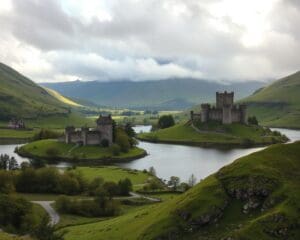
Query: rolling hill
x=169, y=94
x=21, y=97
x=40, y=107
x=255, y=197
x=277, y=105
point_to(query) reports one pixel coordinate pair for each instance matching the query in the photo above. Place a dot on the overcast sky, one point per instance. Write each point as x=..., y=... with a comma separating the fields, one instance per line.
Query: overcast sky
x=238, y=40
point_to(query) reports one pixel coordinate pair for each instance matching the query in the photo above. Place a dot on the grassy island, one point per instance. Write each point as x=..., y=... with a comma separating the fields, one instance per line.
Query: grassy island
x=54, y=150
x=215, y=134
x=255, y=197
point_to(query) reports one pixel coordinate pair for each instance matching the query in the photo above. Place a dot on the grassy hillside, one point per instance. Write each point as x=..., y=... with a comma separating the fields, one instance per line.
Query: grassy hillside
x=170, y=94
x=255, y=197
x=277, y=105
x=20, y=97
x=214, y=134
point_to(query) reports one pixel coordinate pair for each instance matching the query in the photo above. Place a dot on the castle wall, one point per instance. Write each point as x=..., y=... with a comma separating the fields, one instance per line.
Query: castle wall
x=215, y=114
x=75, y=137
x=236, y=115
x=93, y=138
x=224, y=99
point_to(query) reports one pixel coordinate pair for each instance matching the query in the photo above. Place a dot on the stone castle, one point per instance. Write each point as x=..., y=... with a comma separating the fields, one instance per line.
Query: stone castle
x=225, y=110
x=95, y=136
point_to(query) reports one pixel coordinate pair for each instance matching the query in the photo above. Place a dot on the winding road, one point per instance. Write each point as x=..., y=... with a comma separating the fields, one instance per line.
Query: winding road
x=54, y=216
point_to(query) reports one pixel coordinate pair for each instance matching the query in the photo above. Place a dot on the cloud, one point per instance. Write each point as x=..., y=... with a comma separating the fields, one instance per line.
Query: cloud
x=51, y=40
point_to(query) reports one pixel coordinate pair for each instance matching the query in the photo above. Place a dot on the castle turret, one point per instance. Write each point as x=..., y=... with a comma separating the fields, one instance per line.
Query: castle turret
x=68, y=131
x=224, y=98
x=243, y=112
x=105, y=126
x=205, y=112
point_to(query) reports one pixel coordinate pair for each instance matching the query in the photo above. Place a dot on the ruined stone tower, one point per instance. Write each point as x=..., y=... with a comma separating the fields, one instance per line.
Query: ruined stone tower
x=225, y=111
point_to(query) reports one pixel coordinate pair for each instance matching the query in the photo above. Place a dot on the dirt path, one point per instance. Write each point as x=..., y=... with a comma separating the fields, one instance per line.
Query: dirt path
x=54, y=217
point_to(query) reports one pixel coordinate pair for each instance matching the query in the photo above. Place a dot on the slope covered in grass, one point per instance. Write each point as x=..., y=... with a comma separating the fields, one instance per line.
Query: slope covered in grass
x=214, y=134
x=277, y=105
x=20, y=97
x=255, y=197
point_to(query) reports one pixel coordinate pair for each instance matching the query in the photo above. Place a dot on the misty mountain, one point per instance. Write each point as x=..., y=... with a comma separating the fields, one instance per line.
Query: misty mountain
x=170, y=94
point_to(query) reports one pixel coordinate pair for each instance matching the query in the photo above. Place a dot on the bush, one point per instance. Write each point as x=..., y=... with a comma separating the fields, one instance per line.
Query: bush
x=6, y=182
x=101, y=206
x=116, y=150
x=123, y=140
x=125, y=186
x=46, y=134
x=252, y=120
x=16, y=213
x=166, y=121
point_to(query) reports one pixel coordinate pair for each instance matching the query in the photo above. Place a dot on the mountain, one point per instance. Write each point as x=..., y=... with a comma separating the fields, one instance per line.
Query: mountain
x=21, y=97
x=170, y=94
x=277, y=105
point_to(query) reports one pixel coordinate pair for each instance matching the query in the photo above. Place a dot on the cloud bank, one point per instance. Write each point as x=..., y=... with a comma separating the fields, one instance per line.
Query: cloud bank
x=51, y=40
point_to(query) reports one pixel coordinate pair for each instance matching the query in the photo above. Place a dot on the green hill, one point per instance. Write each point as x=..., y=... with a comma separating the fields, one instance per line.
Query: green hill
x=277, y=105
x=214, y=134
x=255, y=197
x=21, y=97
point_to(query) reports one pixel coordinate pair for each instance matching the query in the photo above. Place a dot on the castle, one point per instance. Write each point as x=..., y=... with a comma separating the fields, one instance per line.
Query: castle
x=101, y=135
x=16, y=124
x=225, y=110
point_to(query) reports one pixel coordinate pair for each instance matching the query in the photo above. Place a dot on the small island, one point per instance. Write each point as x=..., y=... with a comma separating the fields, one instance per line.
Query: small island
x=107, y=143
x=223, y=125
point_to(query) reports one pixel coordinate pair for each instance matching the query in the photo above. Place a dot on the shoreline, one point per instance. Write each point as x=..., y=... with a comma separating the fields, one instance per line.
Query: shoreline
x=100, y=161
x=210, y=144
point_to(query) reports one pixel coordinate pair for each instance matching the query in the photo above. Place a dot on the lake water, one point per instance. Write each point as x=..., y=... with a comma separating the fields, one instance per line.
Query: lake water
x=175, y=160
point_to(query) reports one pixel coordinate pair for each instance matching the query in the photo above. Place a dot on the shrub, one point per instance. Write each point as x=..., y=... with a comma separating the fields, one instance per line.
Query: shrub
x=125, y=186
x=116, y=150
x=123, y=140
x=252, y=120
x=166, y=121
x=46, y=134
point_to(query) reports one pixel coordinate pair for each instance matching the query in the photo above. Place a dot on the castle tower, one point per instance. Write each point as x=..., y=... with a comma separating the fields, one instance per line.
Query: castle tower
x=105, y=127
x=224, y=99
x=84, y=133
x=243, y=112
x=68, y=131
x=226, y=116
x=205, y=112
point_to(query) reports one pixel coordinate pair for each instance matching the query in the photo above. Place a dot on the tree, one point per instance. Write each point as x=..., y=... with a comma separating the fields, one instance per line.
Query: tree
x=152, y=171
x=252, y=120
x=174, y=182
x=129, y=130
x=125, y=186
x=166, y=121
x=13, y=164
x=45, y=231
x=122, y=140
x=192, y=180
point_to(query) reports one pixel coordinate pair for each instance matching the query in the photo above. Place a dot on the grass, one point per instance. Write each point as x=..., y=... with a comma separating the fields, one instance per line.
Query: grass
x=277, y=105
x=12, y=133
x=275, y=169
x=68, y=152
x=61, y=98
x=6, y=236
x=213, y=133
x=112, y=173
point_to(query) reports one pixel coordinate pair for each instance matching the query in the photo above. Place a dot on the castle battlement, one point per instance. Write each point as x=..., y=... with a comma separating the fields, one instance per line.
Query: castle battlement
x=225, y=110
